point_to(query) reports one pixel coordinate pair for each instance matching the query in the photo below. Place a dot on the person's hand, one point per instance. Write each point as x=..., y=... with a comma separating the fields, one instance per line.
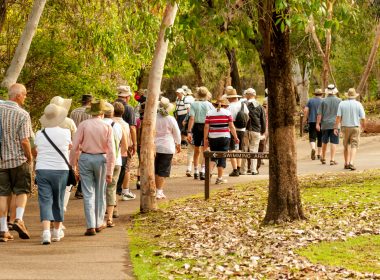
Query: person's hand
x=318, y=127
x=109, y=179
x=133, y=149
x=336, y=131
x=189, y=137
x=205, y=144
x=237, y=141
x=178, y=148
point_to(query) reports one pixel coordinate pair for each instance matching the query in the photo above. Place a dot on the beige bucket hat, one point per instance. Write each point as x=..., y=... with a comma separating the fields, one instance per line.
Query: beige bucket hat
x=53, y=115
x=62, y=102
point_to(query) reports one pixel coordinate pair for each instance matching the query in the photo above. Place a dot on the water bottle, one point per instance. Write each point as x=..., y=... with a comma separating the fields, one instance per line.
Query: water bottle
x=236, y=146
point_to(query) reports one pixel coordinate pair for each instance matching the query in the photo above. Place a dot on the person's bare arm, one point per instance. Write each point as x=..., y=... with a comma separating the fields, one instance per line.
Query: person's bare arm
x=205, y=138
x=233, y=132
x=189, y=128
x=318, y=124
x=336, y=126
x=305, y=115
x=27, y=150
x=134, y=139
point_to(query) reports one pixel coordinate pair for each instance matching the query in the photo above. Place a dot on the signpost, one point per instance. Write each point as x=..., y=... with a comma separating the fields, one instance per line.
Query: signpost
x=242, y=155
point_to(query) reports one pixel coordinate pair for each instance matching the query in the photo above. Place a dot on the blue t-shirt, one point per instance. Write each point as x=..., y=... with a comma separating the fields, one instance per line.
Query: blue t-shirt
x=313, y=105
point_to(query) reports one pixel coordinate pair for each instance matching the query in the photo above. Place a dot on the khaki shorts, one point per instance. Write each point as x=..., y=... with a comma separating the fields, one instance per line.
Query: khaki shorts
x=16, y=180
x=111, y=187
x=351, y=136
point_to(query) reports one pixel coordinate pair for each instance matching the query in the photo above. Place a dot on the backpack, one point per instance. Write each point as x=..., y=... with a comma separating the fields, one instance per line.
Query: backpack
x=241, y=119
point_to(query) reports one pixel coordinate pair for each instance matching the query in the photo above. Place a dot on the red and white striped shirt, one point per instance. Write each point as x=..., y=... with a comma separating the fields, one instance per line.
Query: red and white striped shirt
x=218, y=123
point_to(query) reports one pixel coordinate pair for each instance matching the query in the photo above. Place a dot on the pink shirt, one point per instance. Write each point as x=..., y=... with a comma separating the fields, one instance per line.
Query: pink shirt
x=94, y=137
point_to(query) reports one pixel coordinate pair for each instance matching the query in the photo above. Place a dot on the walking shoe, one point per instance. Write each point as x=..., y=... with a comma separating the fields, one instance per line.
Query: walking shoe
x=78, y=195
x=160, y=196
x=347, y=166
x=249, y=171
x=128, y=196
x=202, y=176
x=352, y=167
x=196, y=176
x=110, y=223
x=234, y=173
x=20, y=227
x=138, y=185
x=333, y=162
x=90, y=232
x=10, y=226
x=188, y=173
x=318, y=157
x=313, y=154
x=220, y=181
x=5, y=236
x=323, y=161
x=57, y=235
x=255, y=173
x=45, y=237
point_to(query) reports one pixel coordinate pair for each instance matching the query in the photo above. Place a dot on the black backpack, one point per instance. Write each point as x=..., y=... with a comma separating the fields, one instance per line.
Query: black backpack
x=241, y=119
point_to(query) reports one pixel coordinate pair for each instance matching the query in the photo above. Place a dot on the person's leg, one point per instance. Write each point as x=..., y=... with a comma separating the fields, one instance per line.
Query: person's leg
x=196, y=161
x=189, y=159
x=235, y=172
x=78, y=193
x=254, y=148
x=245, y=148
x=111, y=196
x=160, y=181
x=319, y=144
x=126, y=192
x=354, y=141
x=100, y=170
x=334, y=141
x=121, y=176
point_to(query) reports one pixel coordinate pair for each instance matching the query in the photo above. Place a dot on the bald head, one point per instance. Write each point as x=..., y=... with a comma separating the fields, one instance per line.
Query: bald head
x=17, y=93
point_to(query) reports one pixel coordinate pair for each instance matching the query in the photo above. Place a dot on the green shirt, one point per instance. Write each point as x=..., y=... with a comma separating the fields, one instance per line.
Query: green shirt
x=199, y=109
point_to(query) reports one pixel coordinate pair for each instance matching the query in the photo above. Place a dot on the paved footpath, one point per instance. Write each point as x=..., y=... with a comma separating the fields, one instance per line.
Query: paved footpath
x=105, y=256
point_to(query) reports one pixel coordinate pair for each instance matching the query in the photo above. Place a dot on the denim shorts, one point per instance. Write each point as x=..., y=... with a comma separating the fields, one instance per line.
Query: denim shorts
x=329, y=136
x=220, y=144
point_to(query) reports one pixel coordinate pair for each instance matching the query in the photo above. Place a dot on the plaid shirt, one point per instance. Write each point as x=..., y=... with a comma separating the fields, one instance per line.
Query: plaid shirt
x=15, y=125
x=79, y=115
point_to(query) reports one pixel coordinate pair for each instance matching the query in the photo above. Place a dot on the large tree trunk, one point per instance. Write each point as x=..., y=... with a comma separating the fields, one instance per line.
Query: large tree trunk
x=284, y=201
x=234, y=70
x=23, y=46
x=301, y=81
x=140, y=78
x=3, y=13
x=148, y=186
x=370, y=62
x=197, y=71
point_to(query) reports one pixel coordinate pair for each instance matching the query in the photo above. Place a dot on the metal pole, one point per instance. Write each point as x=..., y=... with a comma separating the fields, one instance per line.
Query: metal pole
x=301, y=124
x=207, y=180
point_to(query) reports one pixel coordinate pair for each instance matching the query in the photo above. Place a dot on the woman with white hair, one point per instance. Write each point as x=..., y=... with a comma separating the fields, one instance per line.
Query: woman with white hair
x=167, y=142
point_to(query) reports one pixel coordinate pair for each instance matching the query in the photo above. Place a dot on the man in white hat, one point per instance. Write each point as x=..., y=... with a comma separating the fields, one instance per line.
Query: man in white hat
x=181, y=110
x=326, y=115
x=351, y=117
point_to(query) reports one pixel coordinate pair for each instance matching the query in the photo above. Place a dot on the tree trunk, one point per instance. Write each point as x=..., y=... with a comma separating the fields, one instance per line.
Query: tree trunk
x=197, y=72
x=234, y=70
x=284, y=201
x=23, y=46
x=140, y=78
x=3, y=13
x=301, y=81
x=148, y=186
x=370, y=62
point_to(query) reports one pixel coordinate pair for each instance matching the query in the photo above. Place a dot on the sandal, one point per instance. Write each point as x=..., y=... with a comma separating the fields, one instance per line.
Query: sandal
x=110, y=223
x=333, y=162
x=323, y=161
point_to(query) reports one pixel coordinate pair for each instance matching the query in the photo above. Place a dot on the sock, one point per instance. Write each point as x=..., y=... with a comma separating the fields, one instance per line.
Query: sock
x=56, y=231
x=160, y=191
x=196, y=170
x=203, y=168
x=20, y=213
x=125, y=191
x=3, y=224
x=189, y=168
x=47, y=231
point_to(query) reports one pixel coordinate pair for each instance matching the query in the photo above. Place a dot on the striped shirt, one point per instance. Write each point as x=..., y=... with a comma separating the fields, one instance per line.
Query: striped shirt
x=79, y=115
x=182, y=105
x=218, y=123
x=15, y=126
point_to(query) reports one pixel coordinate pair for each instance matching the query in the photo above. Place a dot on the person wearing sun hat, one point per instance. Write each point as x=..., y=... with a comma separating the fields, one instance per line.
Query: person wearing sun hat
x=310, y=116
x=52, y=170
x=195, y=130
x=326, y=115
x=351, y=117
x=167, y=142
x=67, y=122
x=94, y=146
x=219, y=128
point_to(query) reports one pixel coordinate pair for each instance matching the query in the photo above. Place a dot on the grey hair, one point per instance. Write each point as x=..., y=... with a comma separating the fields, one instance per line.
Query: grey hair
x=15, y=90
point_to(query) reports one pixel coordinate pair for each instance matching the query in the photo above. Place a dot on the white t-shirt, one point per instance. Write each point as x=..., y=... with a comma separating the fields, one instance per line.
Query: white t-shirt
x=234, y=108
x=117, y=135
x=47, y=156
x=167, y=134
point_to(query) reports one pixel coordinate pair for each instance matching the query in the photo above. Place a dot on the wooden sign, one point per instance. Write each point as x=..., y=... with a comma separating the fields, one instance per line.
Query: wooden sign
x=243, y=155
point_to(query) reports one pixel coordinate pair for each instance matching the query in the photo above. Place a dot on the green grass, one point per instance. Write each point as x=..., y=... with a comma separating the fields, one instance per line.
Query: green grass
x=360, y=253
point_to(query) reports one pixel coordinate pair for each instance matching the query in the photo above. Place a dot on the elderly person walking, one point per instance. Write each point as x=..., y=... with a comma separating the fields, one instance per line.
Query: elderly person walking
x=52, y=150
x=351, y=117
x=218, y=129
x=16, y=160
x=167, y=142
x=93, y=145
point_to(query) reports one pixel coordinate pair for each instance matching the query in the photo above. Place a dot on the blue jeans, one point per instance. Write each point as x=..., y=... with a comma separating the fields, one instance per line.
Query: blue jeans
x=51, y=193
x=92, y=170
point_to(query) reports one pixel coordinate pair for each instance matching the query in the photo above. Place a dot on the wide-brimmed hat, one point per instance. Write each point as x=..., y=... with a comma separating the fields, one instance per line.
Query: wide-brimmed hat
x=109, y=108
x=53, y=115
x=123, y=91
x=318, y=91
x=250, y=91
x=62, y=102
x=180, y=90
x=331, y=89
x=97, y=107
x=222, y=101
x=231, y=92
x=202, y=93
x=351, y=94
x=165, y=103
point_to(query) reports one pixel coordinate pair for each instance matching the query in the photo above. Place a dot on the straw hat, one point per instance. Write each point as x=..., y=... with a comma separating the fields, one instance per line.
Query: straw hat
x=222, y=101
x=251, y=92
x=62, y=102
x=202, y=93
x=165, y=103
x=351, y=94
x=318, y=91
x=231, y=92
x=109, y=108
x=98, y=107
x=53, y=115
x=331, y=89
x=123, y=91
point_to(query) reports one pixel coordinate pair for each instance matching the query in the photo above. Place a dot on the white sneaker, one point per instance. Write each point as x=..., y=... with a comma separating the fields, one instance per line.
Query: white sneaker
x=57, y=235
x=46, y=238
x=220, y=181
x=160, y=196
x=128, y=196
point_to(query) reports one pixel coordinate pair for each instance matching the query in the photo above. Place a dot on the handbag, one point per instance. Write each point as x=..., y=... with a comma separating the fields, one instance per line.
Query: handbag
x=71, y=179
x=306, y=128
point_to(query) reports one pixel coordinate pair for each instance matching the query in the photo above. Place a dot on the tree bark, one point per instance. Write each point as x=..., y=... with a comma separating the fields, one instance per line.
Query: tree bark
x=3, y=13
x=284, y=201
x=197, y=72
x=301, y=81
x=148, y=186
x=234, y=70
x=140, y=78
x=370, y=62
x=23, y=46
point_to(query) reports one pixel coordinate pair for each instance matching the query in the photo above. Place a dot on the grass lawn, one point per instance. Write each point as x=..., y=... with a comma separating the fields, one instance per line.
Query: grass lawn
x=223, y=238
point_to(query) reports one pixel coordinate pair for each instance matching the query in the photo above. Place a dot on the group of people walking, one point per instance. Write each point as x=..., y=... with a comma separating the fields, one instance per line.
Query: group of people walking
x=327, y=117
